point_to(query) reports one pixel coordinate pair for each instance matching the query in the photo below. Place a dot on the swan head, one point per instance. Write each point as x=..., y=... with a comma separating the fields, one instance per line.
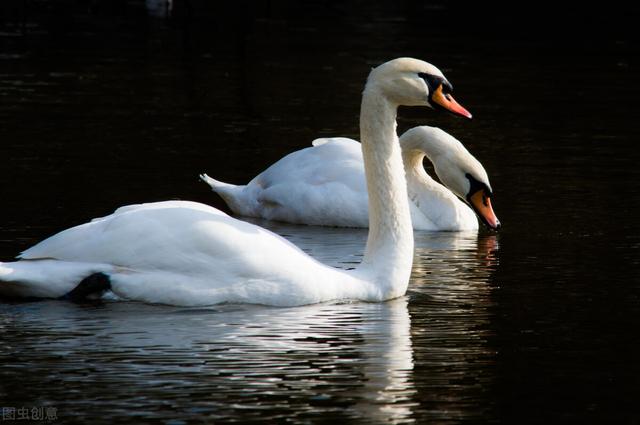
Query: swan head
x=456, y=168
x=412, y=82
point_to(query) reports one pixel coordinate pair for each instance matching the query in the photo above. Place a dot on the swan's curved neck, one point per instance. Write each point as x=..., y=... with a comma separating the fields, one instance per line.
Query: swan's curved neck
x=389, y=252
x=414, y=149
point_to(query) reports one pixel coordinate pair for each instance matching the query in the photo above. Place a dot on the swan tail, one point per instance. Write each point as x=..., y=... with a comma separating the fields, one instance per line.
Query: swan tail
x=218, y=186
x=235, y=196
x=46, y=278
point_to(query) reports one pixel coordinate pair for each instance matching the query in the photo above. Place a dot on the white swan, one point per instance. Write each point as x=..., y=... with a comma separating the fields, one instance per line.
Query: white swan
x=325, y=185
x=185, y=253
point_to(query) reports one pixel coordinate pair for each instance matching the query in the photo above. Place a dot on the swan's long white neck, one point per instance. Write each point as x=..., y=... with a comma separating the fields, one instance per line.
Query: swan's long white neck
x=389, y=252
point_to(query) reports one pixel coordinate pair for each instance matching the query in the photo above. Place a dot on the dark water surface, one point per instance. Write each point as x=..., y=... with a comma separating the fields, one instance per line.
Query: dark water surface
x=108, y=103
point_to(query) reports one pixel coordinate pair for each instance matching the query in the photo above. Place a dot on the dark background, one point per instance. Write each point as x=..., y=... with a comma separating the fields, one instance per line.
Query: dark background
x=105, y=103
x=105, y=93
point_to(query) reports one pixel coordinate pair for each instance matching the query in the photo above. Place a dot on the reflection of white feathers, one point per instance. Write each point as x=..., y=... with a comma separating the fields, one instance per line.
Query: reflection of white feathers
x=358, y=353
x=388, y=387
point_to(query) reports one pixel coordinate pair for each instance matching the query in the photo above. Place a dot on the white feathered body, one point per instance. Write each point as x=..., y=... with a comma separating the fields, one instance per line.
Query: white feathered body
x=180, y=253
x=325, y=185
x=320, y=185
x=185, y=253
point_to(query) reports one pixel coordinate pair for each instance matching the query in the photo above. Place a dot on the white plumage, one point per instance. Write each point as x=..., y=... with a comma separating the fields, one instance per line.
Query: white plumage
x=325, y=185
x=185, y=253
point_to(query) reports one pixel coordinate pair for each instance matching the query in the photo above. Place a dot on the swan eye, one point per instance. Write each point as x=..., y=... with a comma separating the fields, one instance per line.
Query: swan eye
x=476, y=186
x=433, y=81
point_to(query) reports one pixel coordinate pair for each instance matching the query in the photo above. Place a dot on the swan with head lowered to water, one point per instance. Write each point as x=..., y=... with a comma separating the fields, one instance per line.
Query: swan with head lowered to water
x=325, y=185
x=186, y=253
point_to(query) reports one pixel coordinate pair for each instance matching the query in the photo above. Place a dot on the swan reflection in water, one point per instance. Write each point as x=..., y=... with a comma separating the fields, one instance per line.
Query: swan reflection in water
x=448, y=318
x=352, y=360
x=345, y=360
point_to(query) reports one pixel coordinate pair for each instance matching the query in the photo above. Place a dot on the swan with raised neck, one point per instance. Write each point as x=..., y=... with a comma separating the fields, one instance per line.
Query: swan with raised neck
x=388, y=254
x=186, y=253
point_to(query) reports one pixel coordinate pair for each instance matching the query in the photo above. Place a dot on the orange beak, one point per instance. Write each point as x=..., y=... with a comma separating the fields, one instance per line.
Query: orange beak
x=481, y=204
x=449, y=103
